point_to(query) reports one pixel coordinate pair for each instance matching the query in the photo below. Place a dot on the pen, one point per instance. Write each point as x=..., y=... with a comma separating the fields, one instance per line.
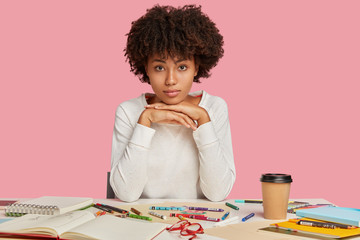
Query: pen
x=232, y=206
x=205, y=218
x=139, y=217
x=137, y=212
x=119, y=210
x=248, y=216
x=321, y=224
x=206, y=209
x=225, y=216
x=158, y=215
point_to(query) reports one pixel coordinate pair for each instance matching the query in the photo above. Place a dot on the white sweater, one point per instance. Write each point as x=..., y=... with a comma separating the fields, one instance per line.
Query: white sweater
x=172, y=161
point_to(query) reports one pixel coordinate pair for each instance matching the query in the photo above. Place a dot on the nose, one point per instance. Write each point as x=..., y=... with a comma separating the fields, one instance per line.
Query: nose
x=170, y=78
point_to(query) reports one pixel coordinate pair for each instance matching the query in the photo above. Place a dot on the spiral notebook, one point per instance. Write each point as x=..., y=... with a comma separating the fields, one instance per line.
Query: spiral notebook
x=47, y=205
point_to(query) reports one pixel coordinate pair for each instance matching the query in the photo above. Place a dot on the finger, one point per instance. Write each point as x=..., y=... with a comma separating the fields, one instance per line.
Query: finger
x=185, y=120
x=155, y=105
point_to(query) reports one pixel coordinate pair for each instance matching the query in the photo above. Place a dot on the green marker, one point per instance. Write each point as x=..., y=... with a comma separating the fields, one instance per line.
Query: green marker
x=139, y=217
x=232, y=206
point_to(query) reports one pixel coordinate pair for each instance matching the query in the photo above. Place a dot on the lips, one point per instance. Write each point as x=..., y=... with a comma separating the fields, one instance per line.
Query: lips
x=172, y=93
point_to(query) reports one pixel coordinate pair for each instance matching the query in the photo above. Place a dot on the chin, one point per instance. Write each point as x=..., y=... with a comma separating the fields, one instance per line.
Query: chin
x=172, y=101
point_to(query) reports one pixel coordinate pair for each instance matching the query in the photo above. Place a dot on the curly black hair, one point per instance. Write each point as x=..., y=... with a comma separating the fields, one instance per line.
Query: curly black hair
x=184, y=32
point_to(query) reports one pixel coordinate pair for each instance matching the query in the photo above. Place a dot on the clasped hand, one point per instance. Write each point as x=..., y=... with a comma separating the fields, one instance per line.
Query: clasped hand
x=183, y=113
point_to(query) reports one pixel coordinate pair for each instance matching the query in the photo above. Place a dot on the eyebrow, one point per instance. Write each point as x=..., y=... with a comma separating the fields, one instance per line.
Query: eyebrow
x=163, y=61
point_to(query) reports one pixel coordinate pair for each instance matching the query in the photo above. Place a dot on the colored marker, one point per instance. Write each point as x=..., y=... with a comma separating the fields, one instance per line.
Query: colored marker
x=232, y=206
x=139, y=217
x=167, y=208
x=137, y=212
x=184, y=215
x=205, y=218
x=206, y=209
x=321, y=224
x=252, y=201
x=115, y=209
x=248, y=216
x=248, y=201
x=225, y=216
x=158, y=215
x=193, y=212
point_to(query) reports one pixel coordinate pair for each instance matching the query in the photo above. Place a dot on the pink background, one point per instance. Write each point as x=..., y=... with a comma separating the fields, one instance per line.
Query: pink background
x=290, y=75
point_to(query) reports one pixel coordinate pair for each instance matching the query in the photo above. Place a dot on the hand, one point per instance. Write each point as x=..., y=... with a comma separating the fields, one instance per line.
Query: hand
x=152, y=115
x=193, y=111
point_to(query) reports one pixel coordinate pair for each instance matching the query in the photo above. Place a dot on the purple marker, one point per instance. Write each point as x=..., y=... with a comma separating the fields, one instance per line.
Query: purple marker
x=206, y=209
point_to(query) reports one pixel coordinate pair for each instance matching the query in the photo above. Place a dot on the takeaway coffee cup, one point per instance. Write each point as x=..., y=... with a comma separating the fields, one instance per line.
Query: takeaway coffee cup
x=275, y=193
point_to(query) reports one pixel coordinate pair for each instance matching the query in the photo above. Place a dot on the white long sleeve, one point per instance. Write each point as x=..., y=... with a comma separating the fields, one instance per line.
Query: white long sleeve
x=172, y=161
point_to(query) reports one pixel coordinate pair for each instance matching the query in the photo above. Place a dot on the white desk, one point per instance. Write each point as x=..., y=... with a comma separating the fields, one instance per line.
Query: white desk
x=247, y=230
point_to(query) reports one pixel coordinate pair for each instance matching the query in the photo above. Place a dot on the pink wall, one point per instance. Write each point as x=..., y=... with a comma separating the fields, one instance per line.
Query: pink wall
x=290, y=75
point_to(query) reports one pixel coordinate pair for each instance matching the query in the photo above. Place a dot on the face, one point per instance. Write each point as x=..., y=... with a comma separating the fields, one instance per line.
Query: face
x=171, y=78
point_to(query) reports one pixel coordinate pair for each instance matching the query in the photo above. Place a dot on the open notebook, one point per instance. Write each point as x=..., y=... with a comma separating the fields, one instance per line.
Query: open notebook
x=47, y=205
x=79, y=225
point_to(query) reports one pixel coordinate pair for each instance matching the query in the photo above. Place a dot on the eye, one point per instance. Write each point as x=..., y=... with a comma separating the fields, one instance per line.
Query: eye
x=159, y=68
x=182, y=67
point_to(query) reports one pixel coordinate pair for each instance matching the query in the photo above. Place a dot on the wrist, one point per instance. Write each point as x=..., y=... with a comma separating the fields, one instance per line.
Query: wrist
x=144, y=119
x=204, y=117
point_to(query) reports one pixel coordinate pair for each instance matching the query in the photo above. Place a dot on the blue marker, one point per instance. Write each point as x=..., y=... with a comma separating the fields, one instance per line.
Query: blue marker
x=225, y=216
x=248, y=216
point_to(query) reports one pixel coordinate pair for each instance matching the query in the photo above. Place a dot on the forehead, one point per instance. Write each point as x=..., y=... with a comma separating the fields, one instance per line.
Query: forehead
x=166, y=56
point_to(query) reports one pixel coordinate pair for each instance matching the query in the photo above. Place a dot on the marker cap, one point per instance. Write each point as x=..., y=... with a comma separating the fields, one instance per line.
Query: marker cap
x=276, y=178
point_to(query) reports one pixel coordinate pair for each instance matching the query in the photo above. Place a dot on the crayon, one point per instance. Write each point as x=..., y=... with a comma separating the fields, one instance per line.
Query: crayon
x=137, y=212
x=139, y=217
x=248, y=216
x=225, y=216
x=232, y=206
x=158, y=215
x=205, y=218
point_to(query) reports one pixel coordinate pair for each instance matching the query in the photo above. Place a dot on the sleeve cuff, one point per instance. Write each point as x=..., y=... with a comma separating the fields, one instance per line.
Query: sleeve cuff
x=142, y=136
x=205, y=134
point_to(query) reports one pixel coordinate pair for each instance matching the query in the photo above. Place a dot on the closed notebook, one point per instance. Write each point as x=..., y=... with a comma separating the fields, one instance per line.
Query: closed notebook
x=47, y=205
x=350, y=216
x=78, y=225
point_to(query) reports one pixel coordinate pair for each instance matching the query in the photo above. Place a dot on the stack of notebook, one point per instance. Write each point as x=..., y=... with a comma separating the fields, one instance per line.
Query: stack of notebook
x=321, y=223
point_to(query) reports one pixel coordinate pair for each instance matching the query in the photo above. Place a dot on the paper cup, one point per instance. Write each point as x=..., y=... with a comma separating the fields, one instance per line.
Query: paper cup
x=275, y=193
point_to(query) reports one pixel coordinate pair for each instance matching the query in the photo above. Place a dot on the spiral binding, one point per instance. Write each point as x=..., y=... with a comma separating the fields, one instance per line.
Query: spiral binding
x=19, y=209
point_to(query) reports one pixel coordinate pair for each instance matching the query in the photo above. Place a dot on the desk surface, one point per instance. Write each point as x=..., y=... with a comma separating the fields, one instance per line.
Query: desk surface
x=244, y=230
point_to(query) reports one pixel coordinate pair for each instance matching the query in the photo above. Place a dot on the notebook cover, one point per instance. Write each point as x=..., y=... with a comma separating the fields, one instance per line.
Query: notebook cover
x=350, y=216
